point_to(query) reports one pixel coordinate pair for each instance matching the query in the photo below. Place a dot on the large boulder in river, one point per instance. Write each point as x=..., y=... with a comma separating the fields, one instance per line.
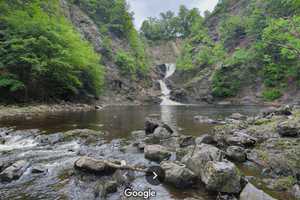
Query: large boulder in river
x=177, y=174
x=150, y=125
x=205, y=139
x=236, y=153
x=51, y=138
x=221, y=177
x=156, y=153
x=14, y=171
x=251, y=192
x=295, y=191
x=240, y=138
x=95, y=166
x=205, y=120
x=289, y=128
x=197, y=159
x=237, y=116
x=185, y=141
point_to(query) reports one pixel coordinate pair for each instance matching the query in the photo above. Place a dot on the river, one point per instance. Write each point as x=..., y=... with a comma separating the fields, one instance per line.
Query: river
x=117, y=122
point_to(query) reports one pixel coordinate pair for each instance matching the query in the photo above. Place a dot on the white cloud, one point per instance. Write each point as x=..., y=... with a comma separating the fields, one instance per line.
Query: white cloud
x=152, y=8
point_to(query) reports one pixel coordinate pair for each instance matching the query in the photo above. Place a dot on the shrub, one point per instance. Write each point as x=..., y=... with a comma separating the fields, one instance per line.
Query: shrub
x=126, y=62
x=271, y=94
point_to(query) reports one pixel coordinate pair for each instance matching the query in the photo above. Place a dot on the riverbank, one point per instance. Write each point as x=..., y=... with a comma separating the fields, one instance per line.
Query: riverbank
x=29, y=111
x=246, y=155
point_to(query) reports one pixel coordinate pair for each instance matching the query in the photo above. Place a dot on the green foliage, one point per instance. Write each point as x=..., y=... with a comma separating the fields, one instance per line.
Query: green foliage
x=281, y=40
x=126, y=62
x=113, y=16
x=262, y=41
x=232, y=30
x=185, y=61
x=271, y=94
x=228, y=79
x=42, y=56
x=169, y=26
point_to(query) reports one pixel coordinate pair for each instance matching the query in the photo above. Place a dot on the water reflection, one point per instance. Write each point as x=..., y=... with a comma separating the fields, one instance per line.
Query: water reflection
x=120, y=121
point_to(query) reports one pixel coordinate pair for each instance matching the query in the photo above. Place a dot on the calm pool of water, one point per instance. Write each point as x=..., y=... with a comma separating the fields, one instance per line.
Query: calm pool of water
x=120, y=121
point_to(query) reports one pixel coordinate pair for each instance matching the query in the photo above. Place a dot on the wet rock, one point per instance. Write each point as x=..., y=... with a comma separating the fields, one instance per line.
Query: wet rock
x=156, y=153
x=295, y=191
x=38, y=169
x=177, y=174
x=283, y=110
x=150, y=125
x=280, y=155
x=83, y=133
x=226, y=197
x=185, y=141
x=205, y=120
x=237, y=116
x=289, y=128
x=197, y=159
x=94, y=166
x=123, y=177
x=236, y=153
x=50, y=139
x=240, y=138
x=205, y=139
x=251, y=192
x=98, y=107
x=106, y=188
x=2, y=140
x=14, y=171
x=221, y=177
x=159, y=134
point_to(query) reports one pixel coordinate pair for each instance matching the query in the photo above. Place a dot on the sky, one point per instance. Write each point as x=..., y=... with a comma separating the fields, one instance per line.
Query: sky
x=152, y=8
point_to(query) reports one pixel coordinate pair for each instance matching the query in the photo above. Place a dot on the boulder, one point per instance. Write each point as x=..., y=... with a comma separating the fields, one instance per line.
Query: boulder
x=150, y=125
x=205, y=120
x=289, y=128
x=205, y=139
x=237, y=116
x=236, y=153
x=37, y=169
x=221, y=177
x=296, y=192
x=177, y=174
x=95, y=166
x=159, y=134
x=2, y=140
x=251, y=192
x=50, y=139
x=197, y=159
x=156, y=153
x=14, y=171
x=240, y=138
x=283, y=110
x=185, y=141
x=108, y=187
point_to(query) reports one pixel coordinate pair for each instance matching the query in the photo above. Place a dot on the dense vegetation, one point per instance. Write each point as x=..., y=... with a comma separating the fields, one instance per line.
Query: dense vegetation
x=115, y=20
x=262, y=42
x=169, y=26
x=42, y=57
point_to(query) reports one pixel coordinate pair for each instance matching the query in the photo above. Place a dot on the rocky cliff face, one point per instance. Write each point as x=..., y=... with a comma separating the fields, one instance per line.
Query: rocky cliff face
x=118, y=88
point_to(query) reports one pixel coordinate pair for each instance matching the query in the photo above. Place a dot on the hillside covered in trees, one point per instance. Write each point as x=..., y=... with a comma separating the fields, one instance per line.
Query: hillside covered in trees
x=84, y=49
x=63, y=50
x=249, y=47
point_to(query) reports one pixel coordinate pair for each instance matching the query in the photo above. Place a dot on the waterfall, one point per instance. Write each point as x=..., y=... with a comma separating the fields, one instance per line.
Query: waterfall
x=170, y=70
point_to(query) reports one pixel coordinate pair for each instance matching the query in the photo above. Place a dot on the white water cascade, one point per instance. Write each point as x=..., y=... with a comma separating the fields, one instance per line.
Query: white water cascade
x=170, y=70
